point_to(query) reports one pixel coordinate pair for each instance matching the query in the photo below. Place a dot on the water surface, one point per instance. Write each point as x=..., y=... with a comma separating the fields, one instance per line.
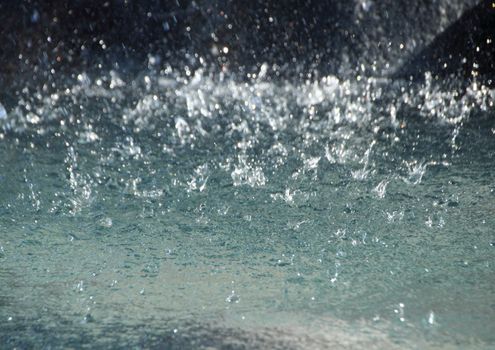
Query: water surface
x=187, y=210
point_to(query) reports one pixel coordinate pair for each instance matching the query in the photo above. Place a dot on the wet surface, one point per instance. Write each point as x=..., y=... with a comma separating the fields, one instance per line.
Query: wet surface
x=182, y=209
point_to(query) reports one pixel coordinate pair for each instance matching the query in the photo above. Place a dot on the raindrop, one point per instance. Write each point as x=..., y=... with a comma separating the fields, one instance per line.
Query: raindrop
x=106, y=222
x=366, y=5
x=3, y=112
x=35, y=16
x=233, y=298
x=431, y=318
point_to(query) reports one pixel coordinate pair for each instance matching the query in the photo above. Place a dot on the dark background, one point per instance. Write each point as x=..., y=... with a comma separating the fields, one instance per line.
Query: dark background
x=296, y=38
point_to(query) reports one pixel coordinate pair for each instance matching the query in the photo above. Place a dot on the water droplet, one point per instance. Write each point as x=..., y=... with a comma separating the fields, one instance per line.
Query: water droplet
x=3, y=112
x=35, y=16
x=381, y=188
x=431, y=318
x=233, y=298
x=366, y=5
x=106, y=222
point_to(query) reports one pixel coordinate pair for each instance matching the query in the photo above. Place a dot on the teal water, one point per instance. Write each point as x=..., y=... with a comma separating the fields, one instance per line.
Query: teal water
x=201, y=212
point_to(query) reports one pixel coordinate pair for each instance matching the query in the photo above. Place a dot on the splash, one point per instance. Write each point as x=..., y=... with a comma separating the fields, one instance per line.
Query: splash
x=333, y=196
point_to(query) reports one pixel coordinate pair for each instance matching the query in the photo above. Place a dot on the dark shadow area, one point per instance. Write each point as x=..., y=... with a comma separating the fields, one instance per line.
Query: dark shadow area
x=465, y=49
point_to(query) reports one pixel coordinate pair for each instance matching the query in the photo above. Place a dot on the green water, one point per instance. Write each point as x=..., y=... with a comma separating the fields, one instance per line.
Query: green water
x=200, y=212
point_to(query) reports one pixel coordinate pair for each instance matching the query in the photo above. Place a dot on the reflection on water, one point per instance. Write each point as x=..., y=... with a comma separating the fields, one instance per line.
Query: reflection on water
x=200, y=211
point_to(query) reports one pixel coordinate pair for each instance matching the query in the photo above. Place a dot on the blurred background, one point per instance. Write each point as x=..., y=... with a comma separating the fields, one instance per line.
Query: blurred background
x=295, y=38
